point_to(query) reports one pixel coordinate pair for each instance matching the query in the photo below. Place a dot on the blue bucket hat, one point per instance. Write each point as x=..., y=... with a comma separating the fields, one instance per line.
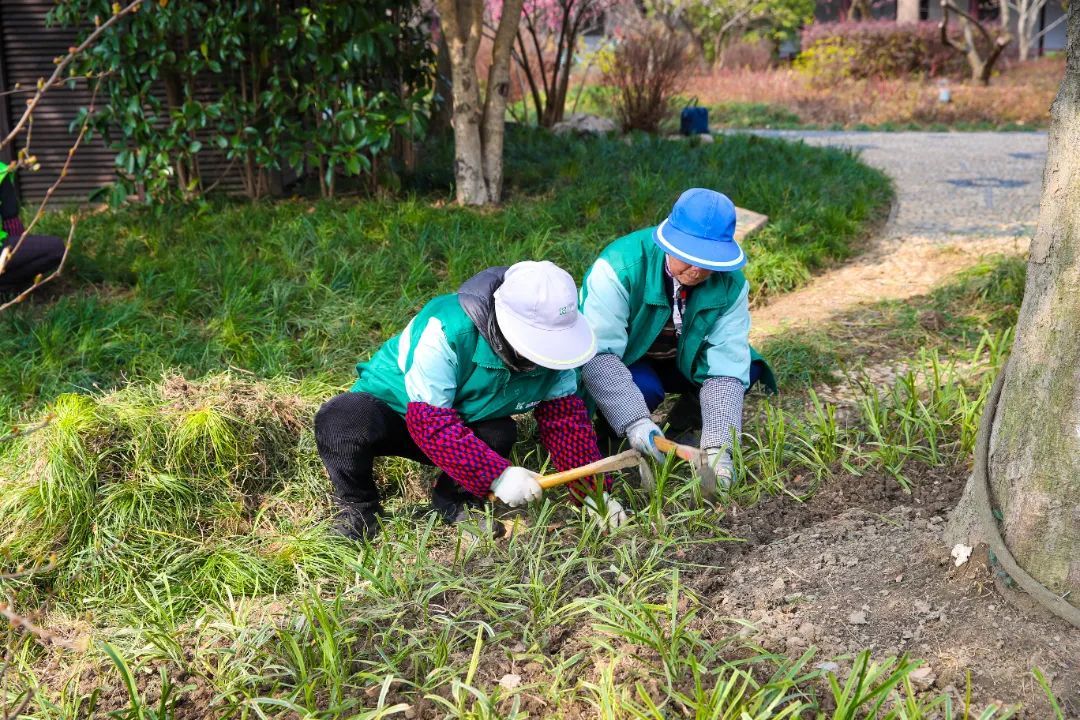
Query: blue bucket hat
x=701, y=231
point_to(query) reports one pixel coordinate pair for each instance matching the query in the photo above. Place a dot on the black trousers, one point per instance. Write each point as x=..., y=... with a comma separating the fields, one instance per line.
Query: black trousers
x=352, y=429
x=38, y=255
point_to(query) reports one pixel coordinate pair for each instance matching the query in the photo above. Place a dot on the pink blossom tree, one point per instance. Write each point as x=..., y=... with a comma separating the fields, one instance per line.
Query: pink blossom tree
x=544, y=48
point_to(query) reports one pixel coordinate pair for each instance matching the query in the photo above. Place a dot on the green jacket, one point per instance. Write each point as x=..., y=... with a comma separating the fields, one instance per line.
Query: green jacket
x=624, y=298
x=441, y=359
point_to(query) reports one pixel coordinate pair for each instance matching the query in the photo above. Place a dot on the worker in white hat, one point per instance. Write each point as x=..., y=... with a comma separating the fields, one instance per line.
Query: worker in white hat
x=444, y=391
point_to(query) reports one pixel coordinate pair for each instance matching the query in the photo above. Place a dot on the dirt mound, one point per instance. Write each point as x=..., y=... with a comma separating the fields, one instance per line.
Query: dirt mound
x=862, y=565
x=932, y=492
x=887, y=583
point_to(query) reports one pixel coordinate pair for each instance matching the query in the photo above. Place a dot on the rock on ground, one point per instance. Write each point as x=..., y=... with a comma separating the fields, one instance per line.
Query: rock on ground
x=584, y=124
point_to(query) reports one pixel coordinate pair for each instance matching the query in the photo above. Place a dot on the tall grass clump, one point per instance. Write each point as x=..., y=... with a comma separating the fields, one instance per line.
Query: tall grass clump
x=179, y=491
x=929, y=415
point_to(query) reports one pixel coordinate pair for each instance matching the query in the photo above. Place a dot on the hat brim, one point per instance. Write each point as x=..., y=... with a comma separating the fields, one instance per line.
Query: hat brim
x=699, y=252
x=563, y=349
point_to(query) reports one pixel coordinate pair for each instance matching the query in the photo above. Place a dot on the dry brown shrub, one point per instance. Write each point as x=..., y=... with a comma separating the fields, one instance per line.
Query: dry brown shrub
x=1020, y=95
x=647, y=72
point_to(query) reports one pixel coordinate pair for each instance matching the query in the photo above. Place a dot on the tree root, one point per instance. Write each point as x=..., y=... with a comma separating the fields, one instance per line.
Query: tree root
x=988, y=523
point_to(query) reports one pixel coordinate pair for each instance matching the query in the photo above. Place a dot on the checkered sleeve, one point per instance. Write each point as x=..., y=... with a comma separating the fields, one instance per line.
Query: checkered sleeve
x=568, y=435
x=442, y=435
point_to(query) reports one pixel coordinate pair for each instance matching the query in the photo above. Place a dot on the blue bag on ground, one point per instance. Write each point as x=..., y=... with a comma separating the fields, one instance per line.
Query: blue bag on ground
x=694, y=121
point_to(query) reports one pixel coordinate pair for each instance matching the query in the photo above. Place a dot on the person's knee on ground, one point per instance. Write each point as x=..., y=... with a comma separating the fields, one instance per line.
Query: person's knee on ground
x=648, y=382
x=38, y=256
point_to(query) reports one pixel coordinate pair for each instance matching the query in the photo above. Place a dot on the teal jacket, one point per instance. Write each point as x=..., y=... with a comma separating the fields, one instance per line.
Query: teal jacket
x=624, y=299
x=441, y=359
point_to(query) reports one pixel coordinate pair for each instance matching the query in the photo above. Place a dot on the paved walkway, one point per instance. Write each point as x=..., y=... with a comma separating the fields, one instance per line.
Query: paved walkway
x=960, y=197
x=948, y=184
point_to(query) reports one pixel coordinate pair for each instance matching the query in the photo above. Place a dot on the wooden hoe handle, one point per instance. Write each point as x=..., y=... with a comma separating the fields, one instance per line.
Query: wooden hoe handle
x=690, y=454
x=625, y=459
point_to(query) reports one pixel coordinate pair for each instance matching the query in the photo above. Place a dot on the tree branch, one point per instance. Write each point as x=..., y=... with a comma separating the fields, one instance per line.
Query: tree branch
x=1049, y=27
x=944, y=27
x=989, y=38
x=56, y=79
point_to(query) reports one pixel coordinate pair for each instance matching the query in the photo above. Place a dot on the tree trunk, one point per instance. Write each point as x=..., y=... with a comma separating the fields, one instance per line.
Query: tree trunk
x=907, y=11
x=478, y=131
x=442, y=119
x=498, y=90
x=859, y=10
x=463, y=23
x=1034, y=459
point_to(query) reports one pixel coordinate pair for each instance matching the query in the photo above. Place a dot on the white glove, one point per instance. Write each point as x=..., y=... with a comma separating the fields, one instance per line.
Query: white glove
x=720, y=461
x=640, y=434
x=615, y=515
x=517, y=486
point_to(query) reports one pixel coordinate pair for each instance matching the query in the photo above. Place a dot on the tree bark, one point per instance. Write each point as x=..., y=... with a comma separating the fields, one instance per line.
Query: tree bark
x=1034, y=458
x=498, y=90
x=907, y=11
x=462, y=22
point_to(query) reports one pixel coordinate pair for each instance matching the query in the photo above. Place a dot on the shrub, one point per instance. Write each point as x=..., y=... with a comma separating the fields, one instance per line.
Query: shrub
x=879, y=49
x=648, y=69
x=268, y=85
x=748, y=54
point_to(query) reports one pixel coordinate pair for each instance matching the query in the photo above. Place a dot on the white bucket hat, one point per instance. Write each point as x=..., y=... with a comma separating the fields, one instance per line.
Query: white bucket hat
x=537, y=310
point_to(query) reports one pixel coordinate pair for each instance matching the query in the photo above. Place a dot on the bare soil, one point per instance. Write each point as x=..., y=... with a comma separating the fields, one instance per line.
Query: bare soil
x=862, y=565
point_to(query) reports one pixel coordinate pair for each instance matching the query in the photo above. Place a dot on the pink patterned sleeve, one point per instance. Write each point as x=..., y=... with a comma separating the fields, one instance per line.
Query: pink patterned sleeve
x=14, y=228
x=442, y=435
x=568, y=435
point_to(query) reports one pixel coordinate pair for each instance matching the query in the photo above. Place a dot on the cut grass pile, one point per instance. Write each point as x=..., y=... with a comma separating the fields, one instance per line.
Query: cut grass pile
x=299, y=288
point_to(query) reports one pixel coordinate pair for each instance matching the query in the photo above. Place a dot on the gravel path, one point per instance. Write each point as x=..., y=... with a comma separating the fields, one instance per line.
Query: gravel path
x=960, y=197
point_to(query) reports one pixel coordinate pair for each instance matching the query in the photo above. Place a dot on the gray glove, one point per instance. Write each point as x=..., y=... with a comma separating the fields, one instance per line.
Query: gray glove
x=719, y=460
x=641, y=434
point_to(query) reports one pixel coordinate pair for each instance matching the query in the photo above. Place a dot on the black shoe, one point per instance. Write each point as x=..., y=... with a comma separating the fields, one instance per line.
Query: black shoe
x=454, y=507
x=358, y=521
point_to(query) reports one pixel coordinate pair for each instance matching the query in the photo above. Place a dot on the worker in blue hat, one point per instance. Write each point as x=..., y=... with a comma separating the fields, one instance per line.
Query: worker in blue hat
x=670, y=311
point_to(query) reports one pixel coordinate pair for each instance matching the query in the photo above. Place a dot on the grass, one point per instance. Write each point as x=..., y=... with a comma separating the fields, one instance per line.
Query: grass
x=189, y=516
x=302, y=288
x=189, y=522
x=954, y=318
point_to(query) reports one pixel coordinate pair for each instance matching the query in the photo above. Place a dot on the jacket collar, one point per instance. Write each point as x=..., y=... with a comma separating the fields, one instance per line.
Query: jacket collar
x=476, y=296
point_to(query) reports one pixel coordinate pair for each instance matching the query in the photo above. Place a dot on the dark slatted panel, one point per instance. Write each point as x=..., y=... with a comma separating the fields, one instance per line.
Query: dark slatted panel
x=29, y=48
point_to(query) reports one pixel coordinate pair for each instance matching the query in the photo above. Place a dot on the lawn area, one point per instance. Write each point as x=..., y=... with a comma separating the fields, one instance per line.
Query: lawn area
x=178, y=485
x=305, y=289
